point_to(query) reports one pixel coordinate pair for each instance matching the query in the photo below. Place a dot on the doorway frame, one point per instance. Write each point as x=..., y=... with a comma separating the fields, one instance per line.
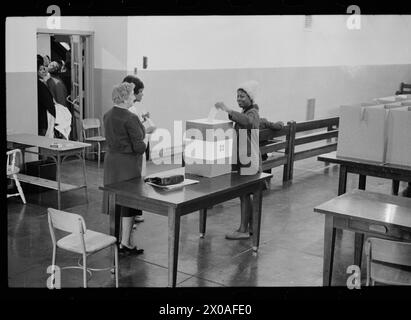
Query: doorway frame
x=88, y=66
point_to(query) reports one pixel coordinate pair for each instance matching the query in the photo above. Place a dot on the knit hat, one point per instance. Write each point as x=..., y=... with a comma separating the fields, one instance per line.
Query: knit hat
x=250, y=87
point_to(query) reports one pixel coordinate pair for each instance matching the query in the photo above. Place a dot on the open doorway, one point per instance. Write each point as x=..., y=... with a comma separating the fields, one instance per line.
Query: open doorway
x=73, y=51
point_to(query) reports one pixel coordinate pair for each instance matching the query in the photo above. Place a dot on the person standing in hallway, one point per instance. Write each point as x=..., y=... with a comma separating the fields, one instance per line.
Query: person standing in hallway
x=56, y=84
x=45, y=101
x=125, y=147
x=46, y=60
x=143, y=116
x=248, y=120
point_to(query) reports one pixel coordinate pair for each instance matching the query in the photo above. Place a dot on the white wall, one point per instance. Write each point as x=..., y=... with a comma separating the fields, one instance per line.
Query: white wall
x=195, y=61
x=21, y=41
x=222, y=42
x=110, y=45
x=110, y=42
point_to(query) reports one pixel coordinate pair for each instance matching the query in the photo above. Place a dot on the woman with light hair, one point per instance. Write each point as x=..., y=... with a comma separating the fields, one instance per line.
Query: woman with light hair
x=125, y=146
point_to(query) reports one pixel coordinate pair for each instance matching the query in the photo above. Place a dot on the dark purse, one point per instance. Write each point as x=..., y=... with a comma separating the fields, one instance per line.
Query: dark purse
x=166, y=181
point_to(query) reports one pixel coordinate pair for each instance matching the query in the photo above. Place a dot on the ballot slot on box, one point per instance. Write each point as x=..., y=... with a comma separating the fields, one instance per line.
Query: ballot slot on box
x=208, y=145
x=363, y=131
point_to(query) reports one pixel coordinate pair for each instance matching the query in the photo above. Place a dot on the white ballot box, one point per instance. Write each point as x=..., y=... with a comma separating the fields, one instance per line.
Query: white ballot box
x=208, y=146
x=363, y=131
x=399, y=136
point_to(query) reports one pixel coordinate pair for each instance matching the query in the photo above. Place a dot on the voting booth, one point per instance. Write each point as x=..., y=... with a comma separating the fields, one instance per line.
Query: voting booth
x=399, y=136
x=390, y=99
x=208, y=147
x=364, y=129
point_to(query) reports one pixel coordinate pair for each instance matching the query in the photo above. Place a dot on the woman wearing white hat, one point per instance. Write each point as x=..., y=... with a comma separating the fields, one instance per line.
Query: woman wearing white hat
x=248, y=120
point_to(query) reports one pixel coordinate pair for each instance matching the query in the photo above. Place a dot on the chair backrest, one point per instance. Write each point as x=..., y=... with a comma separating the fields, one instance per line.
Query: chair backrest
x=90, y=123
x=405, y=88
x=387, y=251
x=11, y=159
x=65, y=221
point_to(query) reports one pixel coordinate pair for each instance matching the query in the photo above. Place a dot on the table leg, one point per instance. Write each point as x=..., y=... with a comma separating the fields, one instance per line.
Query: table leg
x=358, y=245
x=203, y=221
x=395, y=187
x=173, y=239
x=329, y=244
x=114, y=213
x=23, y=159
x=58, y=181
x=84, y=172
x=362, y=182
x=342, y=183
x=256, y=219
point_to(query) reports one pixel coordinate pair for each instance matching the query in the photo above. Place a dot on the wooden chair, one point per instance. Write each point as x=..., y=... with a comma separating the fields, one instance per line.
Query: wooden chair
x=388, y=262
x=404, y=88
x=12, y=171
x=93, y=124
x=80, y=240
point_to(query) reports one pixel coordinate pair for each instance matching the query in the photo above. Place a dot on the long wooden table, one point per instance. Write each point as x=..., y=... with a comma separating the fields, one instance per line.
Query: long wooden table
x=374, y=214
x=56, y=149
x=364, y=168
x=174, y=204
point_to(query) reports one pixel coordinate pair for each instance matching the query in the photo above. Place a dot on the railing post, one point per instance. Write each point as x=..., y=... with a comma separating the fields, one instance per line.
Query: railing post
x=289, y=152
x=329, y=128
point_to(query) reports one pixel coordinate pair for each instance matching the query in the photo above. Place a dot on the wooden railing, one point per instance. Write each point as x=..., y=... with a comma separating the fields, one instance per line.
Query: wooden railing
x=284, y=151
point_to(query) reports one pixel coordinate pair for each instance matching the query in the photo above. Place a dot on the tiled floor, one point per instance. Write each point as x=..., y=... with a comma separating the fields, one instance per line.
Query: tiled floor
x=291, y=243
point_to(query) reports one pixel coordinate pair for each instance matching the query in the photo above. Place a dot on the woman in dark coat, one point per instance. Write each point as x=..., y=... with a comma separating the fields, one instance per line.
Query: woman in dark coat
x=44, y=98
x=125, y=143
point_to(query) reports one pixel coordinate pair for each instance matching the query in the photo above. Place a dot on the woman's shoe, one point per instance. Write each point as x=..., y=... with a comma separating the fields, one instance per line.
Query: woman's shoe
x=237, y=235
x=139, y=218
x=124, y=249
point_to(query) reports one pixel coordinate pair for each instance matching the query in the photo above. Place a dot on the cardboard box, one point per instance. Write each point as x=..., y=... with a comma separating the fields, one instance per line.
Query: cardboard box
x=399, y=136
x=208, y=147
x=363, y=131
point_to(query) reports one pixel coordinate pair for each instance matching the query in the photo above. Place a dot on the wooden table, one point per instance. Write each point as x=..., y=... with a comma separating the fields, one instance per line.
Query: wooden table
x=378, y=215
x=62, y=149
x=174, y=204
x=364, y=168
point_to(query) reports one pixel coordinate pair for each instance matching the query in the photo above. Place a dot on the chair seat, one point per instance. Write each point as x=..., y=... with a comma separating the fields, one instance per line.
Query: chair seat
x=96, y=139
x=389, y=274
x=94, y=241
x=10, y=171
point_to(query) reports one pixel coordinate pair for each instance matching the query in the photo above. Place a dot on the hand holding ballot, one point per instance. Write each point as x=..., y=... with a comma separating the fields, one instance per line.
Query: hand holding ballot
x=222, y=106
x=212, y=114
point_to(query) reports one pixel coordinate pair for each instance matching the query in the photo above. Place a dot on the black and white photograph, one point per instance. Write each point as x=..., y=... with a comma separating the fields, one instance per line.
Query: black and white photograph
x=212, y=150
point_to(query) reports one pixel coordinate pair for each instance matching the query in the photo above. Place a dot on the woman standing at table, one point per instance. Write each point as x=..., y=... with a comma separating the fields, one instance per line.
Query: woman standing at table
x=143, y=115
x=247, y=121
x=125, y=146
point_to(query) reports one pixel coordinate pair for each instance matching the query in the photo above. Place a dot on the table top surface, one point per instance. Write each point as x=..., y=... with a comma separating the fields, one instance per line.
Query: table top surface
x=46, y=143
x=370, y=206
x=206, y=187
x=333, y=158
